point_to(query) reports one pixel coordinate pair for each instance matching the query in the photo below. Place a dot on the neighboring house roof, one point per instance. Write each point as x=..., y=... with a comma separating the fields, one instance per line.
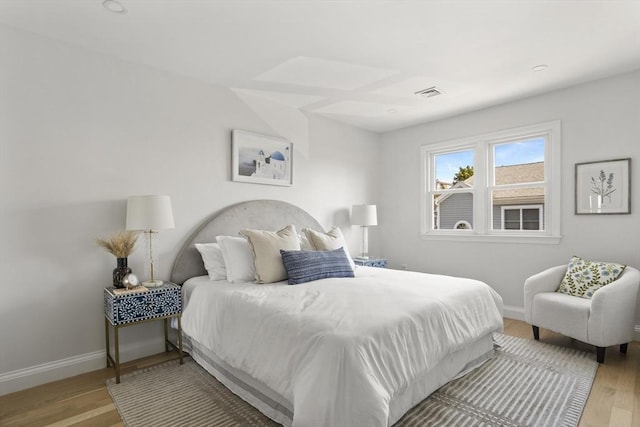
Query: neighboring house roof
x=528, y=172
x=467, y=183
x=442, y=185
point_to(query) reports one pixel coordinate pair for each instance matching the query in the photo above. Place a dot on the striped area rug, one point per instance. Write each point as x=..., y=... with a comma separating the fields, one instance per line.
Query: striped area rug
x=526, y=383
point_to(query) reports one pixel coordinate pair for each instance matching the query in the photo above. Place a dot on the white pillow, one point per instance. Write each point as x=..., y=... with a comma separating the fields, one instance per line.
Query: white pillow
x=266, y=246
x=330, y=241
x=305, y=244
x=238, y=259
x=213, y=260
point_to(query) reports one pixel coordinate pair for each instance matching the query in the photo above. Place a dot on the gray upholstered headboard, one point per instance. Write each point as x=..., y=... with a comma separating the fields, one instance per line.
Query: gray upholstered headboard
x=256, y=214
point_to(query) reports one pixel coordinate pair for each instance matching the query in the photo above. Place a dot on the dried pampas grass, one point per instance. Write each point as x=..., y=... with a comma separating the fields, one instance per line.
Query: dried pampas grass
x=120, y=244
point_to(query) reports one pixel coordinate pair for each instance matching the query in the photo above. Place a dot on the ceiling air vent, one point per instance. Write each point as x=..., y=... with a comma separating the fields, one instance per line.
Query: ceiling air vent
x=429, y=92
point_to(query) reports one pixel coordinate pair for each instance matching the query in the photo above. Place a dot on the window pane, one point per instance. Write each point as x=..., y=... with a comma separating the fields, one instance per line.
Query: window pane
x=453, y=211
x=512, y=219
x=519, y=162
x=454, y=168
x=518, y=218
x=531, y=219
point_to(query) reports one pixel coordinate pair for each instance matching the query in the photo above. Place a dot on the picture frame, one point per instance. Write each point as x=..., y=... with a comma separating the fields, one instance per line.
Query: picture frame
x=260, y=159
x=603, y=187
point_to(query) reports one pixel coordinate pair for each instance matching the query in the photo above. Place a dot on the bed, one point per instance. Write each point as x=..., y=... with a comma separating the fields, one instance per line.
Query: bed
x=357, y=351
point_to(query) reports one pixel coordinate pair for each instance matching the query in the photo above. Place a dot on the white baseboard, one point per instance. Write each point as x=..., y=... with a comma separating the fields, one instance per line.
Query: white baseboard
x=51, y=371
x=517, y=313
x=59, y=369
x=513, y=312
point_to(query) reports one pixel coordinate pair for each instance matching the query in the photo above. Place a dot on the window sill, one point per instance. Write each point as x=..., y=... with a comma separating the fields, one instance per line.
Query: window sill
x=492, y=238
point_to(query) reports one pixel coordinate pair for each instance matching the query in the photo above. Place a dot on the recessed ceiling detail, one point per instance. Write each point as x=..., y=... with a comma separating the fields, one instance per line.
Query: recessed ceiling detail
x=322, y=73
x=286, y=122
x=355, y=108
x=294, y=100
x=355, y=64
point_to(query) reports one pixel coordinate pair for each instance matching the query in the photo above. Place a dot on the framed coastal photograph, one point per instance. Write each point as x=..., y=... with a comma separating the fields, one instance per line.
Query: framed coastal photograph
x=261, y=159
x=603, y=187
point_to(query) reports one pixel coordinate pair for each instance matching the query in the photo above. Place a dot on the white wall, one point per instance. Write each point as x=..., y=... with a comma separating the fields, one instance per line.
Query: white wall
x=600, y=120
x=79, y=133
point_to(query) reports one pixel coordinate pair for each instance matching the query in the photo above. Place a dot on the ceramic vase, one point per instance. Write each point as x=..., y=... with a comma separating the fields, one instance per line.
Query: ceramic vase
x=120, y=272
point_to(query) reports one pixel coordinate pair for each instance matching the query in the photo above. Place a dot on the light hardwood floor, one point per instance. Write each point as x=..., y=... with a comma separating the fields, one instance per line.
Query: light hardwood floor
x=84, y=401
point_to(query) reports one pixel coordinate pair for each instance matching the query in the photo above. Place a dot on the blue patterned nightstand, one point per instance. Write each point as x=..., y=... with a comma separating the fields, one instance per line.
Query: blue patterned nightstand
x=130, y=308
x=371, y=262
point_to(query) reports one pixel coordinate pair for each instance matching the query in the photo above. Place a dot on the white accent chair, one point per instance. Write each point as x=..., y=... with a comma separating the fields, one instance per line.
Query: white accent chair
x=605, y=320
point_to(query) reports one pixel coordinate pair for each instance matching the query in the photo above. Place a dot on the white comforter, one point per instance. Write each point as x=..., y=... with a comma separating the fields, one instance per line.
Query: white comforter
x=339, y=349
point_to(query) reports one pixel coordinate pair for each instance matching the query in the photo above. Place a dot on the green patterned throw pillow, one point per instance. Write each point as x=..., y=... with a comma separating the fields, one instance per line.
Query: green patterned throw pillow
x=584, y=277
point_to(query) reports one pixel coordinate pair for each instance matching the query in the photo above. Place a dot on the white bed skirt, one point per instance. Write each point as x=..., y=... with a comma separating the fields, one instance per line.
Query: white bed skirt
x=280, y=410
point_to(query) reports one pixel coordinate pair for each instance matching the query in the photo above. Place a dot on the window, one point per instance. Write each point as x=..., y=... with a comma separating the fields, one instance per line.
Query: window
x=501, y=186
x=522, y=218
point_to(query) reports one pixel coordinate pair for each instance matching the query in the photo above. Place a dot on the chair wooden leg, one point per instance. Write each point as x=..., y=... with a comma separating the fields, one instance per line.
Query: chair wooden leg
x=536, y=333
x=600, y=354
x=623, y=348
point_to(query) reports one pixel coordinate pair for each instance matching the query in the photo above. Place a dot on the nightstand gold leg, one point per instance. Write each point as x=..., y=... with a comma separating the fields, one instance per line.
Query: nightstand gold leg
x=180, y=338
x=106, y=339
x=166, y=335
x=117, y=355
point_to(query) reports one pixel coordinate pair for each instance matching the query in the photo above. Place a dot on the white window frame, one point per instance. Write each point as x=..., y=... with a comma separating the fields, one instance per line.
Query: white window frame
x=483, y=184
x=521, y=208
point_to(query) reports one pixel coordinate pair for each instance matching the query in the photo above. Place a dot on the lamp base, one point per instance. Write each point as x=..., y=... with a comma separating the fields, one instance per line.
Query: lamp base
x=361, y=257
x=152, y=283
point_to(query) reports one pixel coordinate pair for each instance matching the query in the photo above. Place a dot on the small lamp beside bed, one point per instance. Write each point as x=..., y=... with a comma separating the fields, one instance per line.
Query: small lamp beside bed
x=149, y=214
x=364, y=216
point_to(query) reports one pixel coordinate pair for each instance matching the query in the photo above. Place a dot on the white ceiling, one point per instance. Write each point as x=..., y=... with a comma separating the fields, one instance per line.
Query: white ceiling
x=359, y=62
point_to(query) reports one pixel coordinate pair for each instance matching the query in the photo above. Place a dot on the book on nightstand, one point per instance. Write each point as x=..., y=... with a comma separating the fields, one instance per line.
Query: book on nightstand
x=125, y=291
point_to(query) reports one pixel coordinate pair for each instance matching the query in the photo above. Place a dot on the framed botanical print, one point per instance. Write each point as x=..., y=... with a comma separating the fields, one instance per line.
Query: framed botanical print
x=603, y=187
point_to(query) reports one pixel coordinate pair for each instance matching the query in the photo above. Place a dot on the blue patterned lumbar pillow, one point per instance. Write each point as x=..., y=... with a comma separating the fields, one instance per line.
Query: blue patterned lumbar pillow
x=305, y=266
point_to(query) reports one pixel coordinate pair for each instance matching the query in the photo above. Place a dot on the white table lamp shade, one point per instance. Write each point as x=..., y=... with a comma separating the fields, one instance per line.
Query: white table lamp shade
x=364, y=215
x=149, y=213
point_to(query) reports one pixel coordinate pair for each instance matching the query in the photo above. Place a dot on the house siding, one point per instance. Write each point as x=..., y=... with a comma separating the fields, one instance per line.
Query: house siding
x=457, y=207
